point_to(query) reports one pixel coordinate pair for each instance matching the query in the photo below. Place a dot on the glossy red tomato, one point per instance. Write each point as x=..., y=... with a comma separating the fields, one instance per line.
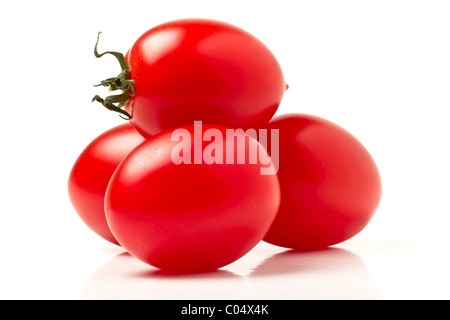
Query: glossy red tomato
x=330, y=185
x=92, y=171
x=200, y=69
x=190, y=217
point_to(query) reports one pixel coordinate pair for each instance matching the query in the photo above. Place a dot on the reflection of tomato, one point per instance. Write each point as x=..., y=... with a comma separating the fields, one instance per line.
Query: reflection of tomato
x=92, y=171
x=330, y=185
x=198, y=69
x=190, y=217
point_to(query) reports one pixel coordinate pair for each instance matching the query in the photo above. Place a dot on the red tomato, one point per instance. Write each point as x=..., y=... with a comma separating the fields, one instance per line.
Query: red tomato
x=199, y=69
x=188, y=218
x=92, y=171
x=330, y=185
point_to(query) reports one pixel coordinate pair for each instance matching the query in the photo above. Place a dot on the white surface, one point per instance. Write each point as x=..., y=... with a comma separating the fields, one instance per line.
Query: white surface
x=380, y=69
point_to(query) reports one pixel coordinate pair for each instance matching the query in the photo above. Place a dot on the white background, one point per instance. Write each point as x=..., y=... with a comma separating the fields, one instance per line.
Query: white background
x=380, y=69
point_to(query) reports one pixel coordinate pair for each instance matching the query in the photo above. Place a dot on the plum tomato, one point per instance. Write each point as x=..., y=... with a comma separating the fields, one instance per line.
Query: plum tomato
x=197, y=70
x=330, y=184
x=91, y=172
x=182, y=202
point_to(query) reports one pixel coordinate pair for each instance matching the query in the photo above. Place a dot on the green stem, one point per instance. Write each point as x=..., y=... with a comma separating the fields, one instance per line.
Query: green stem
x=122, y=82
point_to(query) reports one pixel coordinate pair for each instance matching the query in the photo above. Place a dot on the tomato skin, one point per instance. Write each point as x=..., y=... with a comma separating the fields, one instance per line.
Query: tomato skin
x=330, y=184
x=188, y=218
x=92, y=171
x=200, y=69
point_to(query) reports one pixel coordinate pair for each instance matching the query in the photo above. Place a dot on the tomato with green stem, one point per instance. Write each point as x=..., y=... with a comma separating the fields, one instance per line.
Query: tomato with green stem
x=195, y=70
